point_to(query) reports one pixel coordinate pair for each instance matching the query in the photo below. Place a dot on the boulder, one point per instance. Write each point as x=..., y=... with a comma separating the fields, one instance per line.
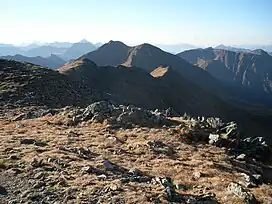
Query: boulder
x=243, y=194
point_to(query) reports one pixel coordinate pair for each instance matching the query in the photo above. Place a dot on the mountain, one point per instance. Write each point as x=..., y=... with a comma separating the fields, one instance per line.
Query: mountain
x=234, y=49
x=78, y=49
x=97, y=45
x=252, y=69
x=149, y=57
x=136, y=86
x=6, y=49
x=164, y=87
x=52, y=62
x=60, y=44
x=267, y=48
x=45, y=51
x=25, y=84
x=112, y=53
x=176, y=48
x=29, y=46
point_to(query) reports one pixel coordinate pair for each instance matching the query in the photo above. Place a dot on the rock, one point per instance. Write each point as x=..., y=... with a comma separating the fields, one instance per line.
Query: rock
x=213, y=138
x=197, y=175
x=114, y=187
x=25, y=193
x=109, y=165
x=251, y=180
x=13, y=201
x=13, y=157
x=118, y=114
x=32, y=141
x=135, y=172
x=181, y=187
x=36, y=163
x=241, y=157
x=88, y=169
x=102, y=177
x=34, y=196
x=39, y=184
x=3, y=190
x=39, y=175
x=15, y=171
x=240, y=192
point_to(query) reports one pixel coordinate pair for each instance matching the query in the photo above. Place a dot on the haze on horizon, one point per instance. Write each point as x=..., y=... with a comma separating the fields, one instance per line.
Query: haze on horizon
x=198, y=22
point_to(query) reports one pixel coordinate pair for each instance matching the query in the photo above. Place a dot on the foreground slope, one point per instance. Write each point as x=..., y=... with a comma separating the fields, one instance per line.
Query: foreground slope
x=51, y=160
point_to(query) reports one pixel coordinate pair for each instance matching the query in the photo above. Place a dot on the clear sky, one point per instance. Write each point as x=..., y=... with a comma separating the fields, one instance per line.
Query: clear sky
x=199, y=22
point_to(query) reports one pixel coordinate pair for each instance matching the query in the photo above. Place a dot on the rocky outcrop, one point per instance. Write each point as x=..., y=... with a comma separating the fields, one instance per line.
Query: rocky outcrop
x=117, y=114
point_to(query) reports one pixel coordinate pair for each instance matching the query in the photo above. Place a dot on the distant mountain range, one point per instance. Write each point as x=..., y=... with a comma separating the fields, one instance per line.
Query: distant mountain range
x=210, y=82
x=65, y=50
x=53, y=61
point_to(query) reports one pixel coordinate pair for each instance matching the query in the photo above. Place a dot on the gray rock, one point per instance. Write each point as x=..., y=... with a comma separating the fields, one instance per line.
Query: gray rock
x=135, y=172
x=32, y=141
x=13, y=157
x=243, y=194
x=3, y=190
x=39, y=175
x=39, y=184
x=109, y=165
x=36, y=162
x=241, y=157
x=87, y=169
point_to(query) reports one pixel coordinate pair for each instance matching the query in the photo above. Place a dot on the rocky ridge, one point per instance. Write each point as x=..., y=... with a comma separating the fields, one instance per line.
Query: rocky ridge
x=111, y=153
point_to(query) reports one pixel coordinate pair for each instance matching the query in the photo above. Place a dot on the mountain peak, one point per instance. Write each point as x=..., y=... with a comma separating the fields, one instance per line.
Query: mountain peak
x=84, y=41
x=115, y=43
x=259, y=52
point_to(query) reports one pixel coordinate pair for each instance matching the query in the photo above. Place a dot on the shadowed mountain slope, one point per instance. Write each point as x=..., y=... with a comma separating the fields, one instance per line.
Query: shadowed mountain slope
x=149, y=57
x=132, y=85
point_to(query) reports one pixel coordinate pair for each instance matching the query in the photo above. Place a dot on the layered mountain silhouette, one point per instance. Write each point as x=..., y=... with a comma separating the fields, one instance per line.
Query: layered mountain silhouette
x=52, y=61
x=149, y=57
x=65, y=50
x=134, y=85
x=45, y=51
x=252, y=69
x=164, y=87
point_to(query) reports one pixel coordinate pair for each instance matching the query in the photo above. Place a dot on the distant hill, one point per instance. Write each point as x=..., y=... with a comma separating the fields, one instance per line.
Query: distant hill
x=66, y=50
x=234, y=49
x=252, y=69
x=6, y=49
x=45, y=51
x=77, y=50
x=52, y=62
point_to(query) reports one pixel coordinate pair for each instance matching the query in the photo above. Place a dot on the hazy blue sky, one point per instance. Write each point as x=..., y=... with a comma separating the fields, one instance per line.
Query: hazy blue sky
x=201, y=22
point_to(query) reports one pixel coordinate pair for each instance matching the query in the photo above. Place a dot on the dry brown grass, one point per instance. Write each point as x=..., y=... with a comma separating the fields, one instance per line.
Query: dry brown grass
x=128, y=148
